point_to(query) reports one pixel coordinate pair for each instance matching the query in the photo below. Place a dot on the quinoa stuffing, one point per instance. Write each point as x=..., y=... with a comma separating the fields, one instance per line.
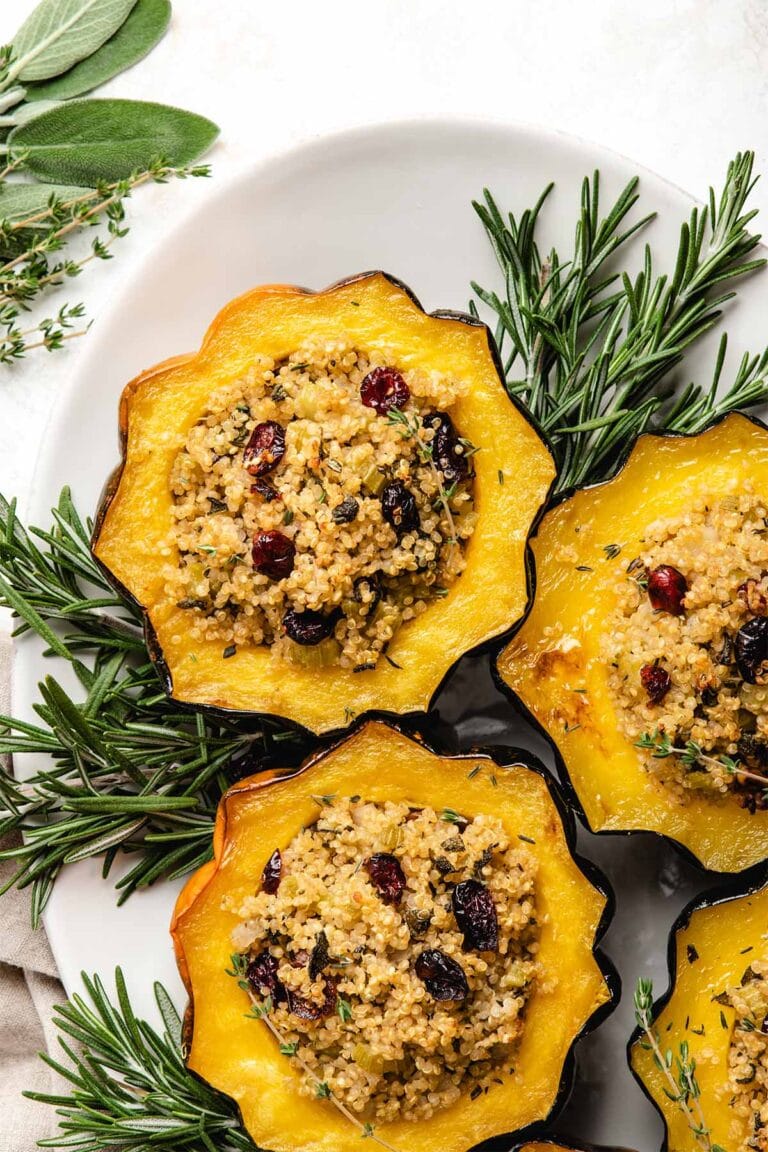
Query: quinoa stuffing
x=748, y=1055
x=688, y=650
x=321, y=503
x=397, y=951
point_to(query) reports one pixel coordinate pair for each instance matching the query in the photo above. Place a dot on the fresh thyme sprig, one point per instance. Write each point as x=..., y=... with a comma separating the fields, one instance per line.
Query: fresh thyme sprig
x=590, y=351
x=129, y=1086
x=261, y=1009
x=678, y=1069
x=31, y=246
x=660, y=745
x=129, y=770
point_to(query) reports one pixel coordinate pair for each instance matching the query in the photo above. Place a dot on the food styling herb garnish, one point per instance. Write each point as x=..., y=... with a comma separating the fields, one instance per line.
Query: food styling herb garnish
x=660, y=745
x=129, y=1087
x=678, y=1069
x=128, y=768
x=90, y=154
x=589, y=351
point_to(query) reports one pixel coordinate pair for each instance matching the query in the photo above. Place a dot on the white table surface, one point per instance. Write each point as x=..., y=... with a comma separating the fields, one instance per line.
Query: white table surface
x=678, y=85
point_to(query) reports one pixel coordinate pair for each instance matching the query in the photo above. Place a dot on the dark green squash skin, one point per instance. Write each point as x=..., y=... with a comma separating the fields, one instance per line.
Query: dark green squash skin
x=153, y=647
x=747, y=883
x=522, y=709
x=556, y=1143
x=504, y=755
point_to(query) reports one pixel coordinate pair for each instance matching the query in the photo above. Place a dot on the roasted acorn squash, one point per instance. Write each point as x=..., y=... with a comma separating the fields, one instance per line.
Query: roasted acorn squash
x=158, y=409
x=238, y=1055
x=553, y=664
x=709, y=950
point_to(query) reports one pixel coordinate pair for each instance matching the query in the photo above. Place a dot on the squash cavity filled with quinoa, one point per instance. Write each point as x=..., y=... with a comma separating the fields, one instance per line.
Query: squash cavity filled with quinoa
x=717, y=1005
x=391, y=940
x=645, y=655
x=326, y=506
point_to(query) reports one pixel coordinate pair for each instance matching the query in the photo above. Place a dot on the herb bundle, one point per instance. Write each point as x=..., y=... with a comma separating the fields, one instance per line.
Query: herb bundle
x=590, y=352
x=68, y=164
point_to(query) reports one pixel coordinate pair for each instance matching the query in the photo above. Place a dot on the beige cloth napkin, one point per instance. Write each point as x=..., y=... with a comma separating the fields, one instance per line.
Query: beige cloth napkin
x=29, y=988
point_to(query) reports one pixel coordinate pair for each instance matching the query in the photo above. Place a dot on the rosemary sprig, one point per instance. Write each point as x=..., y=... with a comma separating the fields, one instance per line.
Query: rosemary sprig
x=127, y=768
x=589, y=351
x=261, y=1009
x=129, y=1086
x=660, y=745
x=678, y=1070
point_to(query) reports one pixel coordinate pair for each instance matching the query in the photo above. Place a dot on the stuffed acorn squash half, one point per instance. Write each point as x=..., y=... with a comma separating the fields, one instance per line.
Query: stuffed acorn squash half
x=326, y=506
x=714, y=1017
x=391, y=942
x=645, y=655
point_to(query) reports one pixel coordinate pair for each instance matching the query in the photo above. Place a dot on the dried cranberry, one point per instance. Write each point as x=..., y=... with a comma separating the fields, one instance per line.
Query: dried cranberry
x=443, y=977
x=447, y=451
x=261, y=974
x=752, y=650
x=764, y=1026
x=387, y=876
x=264, y=489
x=345, y=512
x=384, y=388
x=666, y=589
x=308, y=627
x=265, y=448
x=656, y=681
x=307, y=1009
x=273, y=554
x=753, y=750
x=272, y=874
x=475, y=914
x=398, y=507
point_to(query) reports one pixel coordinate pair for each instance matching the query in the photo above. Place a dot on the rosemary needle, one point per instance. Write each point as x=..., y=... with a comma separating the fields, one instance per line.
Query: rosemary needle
x=590, y=351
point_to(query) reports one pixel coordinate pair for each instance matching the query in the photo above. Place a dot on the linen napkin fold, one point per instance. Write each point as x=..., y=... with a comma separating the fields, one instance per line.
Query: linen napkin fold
x=29, y=988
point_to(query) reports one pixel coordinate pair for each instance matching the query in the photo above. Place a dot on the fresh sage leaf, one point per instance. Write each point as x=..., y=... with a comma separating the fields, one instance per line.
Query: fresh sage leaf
x=88, y=141
x=59, y=33
x=146, y=25
x=26, y=112
x=18, y=200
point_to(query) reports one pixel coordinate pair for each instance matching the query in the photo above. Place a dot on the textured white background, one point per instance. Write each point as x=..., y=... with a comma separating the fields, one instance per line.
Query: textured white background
x=678, y=85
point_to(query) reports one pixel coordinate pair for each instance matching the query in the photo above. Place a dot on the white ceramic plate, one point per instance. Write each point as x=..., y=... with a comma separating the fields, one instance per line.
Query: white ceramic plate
x=394, y=197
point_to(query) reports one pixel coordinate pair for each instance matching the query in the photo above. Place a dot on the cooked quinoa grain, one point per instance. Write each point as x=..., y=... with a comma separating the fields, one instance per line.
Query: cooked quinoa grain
x=748, y=1055
x=687, y=646
x=399, y=952
x=320, y=504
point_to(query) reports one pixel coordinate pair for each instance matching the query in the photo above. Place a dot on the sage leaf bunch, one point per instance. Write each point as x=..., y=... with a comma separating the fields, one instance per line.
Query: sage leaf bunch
x=69, y=161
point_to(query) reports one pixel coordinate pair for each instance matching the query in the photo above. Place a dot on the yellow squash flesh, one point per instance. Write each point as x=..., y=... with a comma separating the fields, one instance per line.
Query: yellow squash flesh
x=158, y=409
x=240, y=1057
x=554, y=663
x=712, y=951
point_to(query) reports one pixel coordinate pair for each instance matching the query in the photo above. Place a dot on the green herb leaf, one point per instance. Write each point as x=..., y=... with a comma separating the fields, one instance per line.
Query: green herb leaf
x=145, y=27
x=89, y=141
x=59, y=33
x=18, y=201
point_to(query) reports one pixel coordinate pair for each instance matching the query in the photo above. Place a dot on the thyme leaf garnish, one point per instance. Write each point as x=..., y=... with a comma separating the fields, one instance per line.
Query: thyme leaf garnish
x=678, y=1069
